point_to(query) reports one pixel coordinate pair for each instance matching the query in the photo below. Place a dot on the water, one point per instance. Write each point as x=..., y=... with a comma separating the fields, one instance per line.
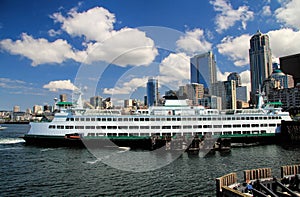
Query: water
x=36, y=171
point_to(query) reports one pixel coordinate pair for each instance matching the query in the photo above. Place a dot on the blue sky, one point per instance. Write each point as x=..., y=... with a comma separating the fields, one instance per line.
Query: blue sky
x=110, y=48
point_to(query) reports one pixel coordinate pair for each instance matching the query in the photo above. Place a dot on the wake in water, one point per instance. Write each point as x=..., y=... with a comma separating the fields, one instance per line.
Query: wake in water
x=11, y=140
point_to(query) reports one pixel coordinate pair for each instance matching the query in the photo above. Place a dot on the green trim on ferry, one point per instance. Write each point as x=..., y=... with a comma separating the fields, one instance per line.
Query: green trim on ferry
x=244, y=135
x=117, y=137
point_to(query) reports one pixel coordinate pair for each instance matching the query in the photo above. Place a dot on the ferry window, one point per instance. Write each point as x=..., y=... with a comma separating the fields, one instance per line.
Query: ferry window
x=209, y=119
x=166, y=127
x=152, y=119
x=204, y=119
x=92, y=119
x=123, y=134
x=217, y=133
x=178, y=119
x=133, y=134
x=228, y=118
x=133, y=127
x=214, y=118
x=187, y=126
x=238, y=118
x=246, y=132
x=243, y=118
x=236, y=132
x=92, y=127
x=246, y=125
x=265, y=118
x=144, y=134
x=87, y=127
x=146, y=119
x=227, y=126
x=233, y=118
x=260, y=118
x=254, y=125
x=227, y=133
x=60, y=126
x=68, y=119
x=256, y=118
x=81, y=119
x=168, y=119
x=280, y=117
x=272, y=125
x=251, y=118
x=142, y=119
x=109, y=119
x=51, y=127
x=69, y=127
x=120, y=119
x=176, y=127
x=72, y=119
x=189, y=119
x=217, y=126
x=162, y=119
x=237, y=126
x=98, y=119
x=247, y=118
x=199, y=126
x=263, y=131
x=194, y=119
x=155, y=127
x=157, y=119
x=207, y=126
x=130, y=119
x=103, y=127
x=264, y=125
x=79, y=127
x=87, y=119
x=125, y=119
x=144, y=127
x=199, y=119
x=219, y=118
x=136, y=119
x=76, y=119
x=122, y=127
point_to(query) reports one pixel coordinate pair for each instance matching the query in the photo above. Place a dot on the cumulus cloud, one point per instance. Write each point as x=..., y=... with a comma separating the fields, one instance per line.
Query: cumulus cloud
x=266, y=10
x=288, y=13
x=40, y=50
x=228, y=16
x=94, y=24
x=193, y=42
x=127, y=88
x=126, y=47
x=236, y=49
x=54, y=86
x=284, y=42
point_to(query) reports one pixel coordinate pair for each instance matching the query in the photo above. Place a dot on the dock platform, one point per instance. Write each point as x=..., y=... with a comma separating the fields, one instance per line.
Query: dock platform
x=261, y=183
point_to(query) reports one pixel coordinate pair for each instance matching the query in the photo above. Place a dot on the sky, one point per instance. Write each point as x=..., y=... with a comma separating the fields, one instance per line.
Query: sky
x=111, y=48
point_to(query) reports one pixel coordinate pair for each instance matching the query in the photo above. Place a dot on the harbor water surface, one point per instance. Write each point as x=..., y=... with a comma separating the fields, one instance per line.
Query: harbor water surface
x=64, y=171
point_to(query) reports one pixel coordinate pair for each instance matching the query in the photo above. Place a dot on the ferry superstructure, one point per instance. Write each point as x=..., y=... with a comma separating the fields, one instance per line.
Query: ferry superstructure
x=174, y=119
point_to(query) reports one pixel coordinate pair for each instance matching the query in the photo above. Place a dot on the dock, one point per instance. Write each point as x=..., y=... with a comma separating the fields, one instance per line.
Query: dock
x=260, y=182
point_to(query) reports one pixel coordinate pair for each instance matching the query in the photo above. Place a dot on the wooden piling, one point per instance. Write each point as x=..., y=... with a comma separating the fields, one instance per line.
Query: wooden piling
x=290, y=170
x=226, y=180
x=260, y=173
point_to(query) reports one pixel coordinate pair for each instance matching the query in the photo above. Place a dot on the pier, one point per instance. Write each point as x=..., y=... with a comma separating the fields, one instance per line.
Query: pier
x=261, y=183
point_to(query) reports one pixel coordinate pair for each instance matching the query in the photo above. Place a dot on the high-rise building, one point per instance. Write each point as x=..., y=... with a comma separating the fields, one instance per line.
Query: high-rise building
x=16, y=108
x=195, y=91
x=235, y=77
x=227, y=91
x=260, y=62
x=203, y=70
x=291, y=65
x=96, y=102
x=152, y=92
x=63, y=97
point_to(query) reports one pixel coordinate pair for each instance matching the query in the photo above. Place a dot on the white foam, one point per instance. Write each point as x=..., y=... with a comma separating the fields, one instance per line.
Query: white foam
x=11, y=140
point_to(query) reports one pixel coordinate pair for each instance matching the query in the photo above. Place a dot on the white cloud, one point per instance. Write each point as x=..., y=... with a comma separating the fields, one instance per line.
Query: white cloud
x=284, y=42
x=126, y=47
x=289, y=13
x=266, y=10
x=40, y=50
x=229, y=16
x=54, y=86
x=175, y=70
x=236, y=49
x=94, y=24
x=53, y=32
x=127, y=88
x=193, y=42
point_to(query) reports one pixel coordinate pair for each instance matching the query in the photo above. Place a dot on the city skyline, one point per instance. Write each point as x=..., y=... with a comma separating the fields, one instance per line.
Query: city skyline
x=43, y=47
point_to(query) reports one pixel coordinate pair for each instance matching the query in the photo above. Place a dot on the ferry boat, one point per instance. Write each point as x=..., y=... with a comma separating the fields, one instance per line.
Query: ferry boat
x=141, y=128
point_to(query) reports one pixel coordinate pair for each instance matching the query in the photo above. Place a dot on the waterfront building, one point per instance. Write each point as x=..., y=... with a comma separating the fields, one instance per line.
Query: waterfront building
x=290, y=97
x=63, y=97
x=96, y=102
x=286, y=81
x=236, y=77
x=129, y=103
x=242, y=93
x=260, y=62
x=195, y=91
x=227, y=91
x=291, y=65
x=16, y=108
x=203, y=70
x=211, y=102
x=152, y=92
x=37, y=109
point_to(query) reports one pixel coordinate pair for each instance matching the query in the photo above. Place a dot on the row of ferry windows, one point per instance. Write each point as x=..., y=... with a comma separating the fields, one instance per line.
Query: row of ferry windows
x=163, y=127
x=173, y=119
x=178, y=134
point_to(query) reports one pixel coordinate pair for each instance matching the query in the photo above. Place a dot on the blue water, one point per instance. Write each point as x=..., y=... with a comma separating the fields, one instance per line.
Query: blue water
x=35, y=171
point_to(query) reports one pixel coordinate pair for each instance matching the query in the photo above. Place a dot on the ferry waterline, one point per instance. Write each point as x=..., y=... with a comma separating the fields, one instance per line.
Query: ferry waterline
x=157, y=126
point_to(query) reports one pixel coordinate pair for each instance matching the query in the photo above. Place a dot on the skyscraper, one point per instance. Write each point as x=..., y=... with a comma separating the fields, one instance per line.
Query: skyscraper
x=235, y=77
x=152, y=92
x=260, y=61
x=203, y=69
